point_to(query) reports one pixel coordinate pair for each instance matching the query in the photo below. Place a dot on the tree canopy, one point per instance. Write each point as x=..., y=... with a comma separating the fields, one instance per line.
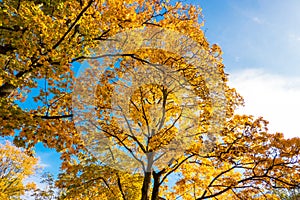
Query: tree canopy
x=149, y=115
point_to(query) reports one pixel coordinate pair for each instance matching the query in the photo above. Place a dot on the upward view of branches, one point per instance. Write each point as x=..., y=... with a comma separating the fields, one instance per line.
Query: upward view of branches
x=149, y=114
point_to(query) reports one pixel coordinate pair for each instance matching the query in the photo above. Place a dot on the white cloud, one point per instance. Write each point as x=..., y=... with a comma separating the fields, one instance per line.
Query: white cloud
x=275, y=97
x=294, y=37
x=257, y=20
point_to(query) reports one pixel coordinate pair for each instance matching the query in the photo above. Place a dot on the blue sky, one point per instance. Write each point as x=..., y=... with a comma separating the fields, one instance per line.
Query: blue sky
x=255, y=33
x=261, y=44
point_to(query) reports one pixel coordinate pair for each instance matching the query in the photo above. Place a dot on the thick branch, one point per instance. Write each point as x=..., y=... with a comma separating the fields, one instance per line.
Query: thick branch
x=6, y=48
x=54, y=117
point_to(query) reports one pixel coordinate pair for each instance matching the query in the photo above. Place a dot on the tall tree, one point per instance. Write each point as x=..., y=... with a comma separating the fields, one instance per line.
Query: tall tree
x=160, y=110
x=41, y=40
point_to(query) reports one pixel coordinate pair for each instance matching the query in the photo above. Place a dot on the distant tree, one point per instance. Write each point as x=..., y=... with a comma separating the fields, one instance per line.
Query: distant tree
x=15, y=167
x=49, y=190
x=288, y=194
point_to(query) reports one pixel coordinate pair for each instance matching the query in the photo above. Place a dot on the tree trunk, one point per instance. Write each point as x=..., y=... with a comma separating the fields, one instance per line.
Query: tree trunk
x=147, y=177
x=156, y=184
x=146, y=185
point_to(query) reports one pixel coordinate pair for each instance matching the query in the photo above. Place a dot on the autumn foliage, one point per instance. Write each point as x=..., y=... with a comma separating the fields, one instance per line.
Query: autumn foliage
x=43, y=43
x=15, y=168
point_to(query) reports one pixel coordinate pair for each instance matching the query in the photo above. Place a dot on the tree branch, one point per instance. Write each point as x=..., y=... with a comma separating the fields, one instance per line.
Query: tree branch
x=73, y=24
x=53, y=117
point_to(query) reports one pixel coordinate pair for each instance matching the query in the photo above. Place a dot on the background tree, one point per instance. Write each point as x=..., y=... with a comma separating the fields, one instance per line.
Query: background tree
x=49, y=190
x=15, y=167
x=286, y=194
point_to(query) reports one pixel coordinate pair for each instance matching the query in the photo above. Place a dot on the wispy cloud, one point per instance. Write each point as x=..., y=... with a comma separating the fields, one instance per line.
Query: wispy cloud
x=272, y=96
x=261, y=34
x=294, y=37
x=258, y=20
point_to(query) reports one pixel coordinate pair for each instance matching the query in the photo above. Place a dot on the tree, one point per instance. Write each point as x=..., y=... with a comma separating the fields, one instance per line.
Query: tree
x=41, y=40
x=15, y=167
x=286, y=194
x=50, y=191
x=178, y=124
